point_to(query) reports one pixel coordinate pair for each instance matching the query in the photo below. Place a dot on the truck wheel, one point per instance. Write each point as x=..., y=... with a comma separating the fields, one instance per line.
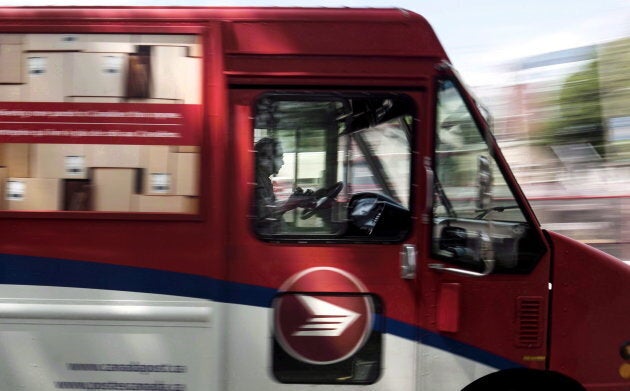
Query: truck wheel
x=523, y=379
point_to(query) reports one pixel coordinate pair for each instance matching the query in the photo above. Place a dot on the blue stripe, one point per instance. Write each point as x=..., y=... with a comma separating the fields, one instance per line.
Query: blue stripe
x=401, y=329
x=27, y=270
x=411, y=332
x=461, y=349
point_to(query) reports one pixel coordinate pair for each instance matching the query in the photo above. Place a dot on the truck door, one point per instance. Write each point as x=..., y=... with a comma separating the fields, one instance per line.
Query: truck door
x=483, y=272
x=322, y=211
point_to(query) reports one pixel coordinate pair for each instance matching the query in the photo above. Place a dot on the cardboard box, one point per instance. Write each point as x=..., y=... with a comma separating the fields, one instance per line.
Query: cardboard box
x=167, y=72
x=191, y=42
x=186, y=148
x=108, y=43
x=10, y=93
x=35, y=194
x=77, y=194
x=185, y=169
x=48, y=77
x=154, y=158
x=112, y=188
x=11, y=64
x=113, y=156
x=54, y=42
x=189, y=79
x=195, y=50
x=16, y=158
x=99, y=74
x=157, y=177
x=58, y=161
x=11, y=39
x=4, y=174
x=103, y=43
x=164, y=204
x=176, y=76
x=166, y=39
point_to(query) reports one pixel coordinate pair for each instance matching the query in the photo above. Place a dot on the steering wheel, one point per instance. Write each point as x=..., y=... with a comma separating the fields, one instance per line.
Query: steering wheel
x=329, y=194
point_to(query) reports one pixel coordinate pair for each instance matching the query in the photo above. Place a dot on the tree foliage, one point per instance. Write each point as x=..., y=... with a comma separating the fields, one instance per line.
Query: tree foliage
x=580, y=110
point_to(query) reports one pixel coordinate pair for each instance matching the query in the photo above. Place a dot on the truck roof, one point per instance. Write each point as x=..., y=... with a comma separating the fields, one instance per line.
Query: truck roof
x=274, y=31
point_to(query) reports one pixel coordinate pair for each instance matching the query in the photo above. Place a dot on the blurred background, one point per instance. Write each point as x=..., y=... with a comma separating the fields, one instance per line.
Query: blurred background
x=556, y=77
x=558, y=87
x=563, y=121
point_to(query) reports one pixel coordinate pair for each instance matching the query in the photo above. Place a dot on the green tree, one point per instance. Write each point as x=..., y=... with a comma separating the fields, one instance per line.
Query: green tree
x=580, y=110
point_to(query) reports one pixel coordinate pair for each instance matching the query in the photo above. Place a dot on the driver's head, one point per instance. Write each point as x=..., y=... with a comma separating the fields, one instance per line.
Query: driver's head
x=269, y=155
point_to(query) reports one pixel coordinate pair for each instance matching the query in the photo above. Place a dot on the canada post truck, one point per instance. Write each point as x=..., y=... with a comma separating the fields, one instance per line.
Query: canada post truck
x=223, y=199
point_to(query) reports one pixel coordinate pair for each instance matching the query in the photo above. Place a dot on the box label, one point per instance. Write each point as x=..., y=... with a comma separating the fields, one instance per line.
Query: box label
x=160, y=183
x=75, y=165
x=37, y=66
x=15, y=190
x=112, y=64
x=69, y=39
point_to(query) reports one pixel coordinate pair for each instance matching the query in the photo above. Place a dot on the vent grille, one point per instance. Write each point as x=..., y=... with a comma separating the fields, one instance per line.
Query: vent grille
x=529, y=322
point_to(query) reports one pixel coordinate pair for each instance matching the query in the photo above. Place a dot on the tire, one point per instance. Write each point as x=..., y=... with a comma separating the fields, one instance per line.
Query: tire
x=522, y=379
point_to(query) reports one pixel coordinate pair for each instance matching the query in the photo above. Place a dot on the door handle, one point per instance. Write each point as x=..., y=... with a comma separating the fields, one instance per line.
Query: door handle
x=408, y=257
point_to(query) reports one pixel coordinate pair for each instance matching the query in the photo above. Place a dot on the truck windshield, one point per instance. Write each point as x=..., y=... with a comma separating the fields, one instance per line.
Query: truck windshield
x=459, y=148
x=476, y=217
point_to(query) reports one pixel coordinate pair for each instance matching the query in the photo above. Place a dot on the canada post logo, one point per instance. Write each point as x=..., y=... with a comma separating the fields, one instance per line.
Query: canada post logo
x=324, y=316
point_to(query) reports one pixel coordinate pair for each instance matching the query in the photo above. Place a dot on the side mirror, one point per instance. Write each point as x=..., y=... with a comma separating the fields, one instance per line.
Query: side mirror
x=484, y=183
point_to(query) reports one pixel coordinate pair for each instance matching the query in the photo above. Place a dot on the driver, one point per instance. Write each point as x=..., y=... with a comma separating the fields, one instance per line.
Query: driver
x=269, y=161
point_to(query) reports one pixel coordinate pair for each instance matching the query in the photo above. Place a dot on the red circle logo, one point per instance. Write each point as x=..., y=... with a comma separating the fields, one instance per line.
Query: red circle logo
x=325, y=316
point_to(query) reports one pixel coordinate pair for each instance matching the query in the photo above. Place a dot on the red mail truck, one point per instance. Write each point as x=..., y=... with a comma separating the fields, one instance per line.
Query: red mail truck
x=275, y=198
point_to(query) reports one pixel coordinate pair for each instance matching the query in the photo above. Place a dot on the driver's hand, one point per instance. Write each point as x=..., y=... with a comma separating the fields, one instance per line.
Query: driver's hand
x=300, y=192
x=300, y=198
x=319, y=193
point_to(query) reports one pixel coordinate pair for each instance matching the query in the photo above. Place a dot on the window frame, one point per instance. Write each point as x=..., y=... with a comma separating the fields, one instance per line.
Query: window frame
x=340, y=95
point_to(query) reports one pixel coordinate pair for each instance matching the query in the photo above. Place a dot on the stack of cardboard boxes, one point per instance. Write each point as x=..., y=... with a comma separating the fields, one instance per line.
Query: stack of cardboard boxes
x=113, y=178
x=104, y=68
x=100, y=68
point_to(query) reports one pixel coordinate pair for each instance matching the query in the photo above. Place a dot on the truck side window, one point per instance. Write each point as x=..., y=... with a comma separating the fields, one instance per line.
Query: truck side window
x=476, y=216
x=101, y=122
x=332, y=166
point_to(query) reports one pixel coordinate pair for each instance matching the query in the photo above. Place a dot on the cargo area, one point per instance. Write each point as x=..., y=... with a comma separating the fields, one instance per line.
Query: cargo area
x=99, y=69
